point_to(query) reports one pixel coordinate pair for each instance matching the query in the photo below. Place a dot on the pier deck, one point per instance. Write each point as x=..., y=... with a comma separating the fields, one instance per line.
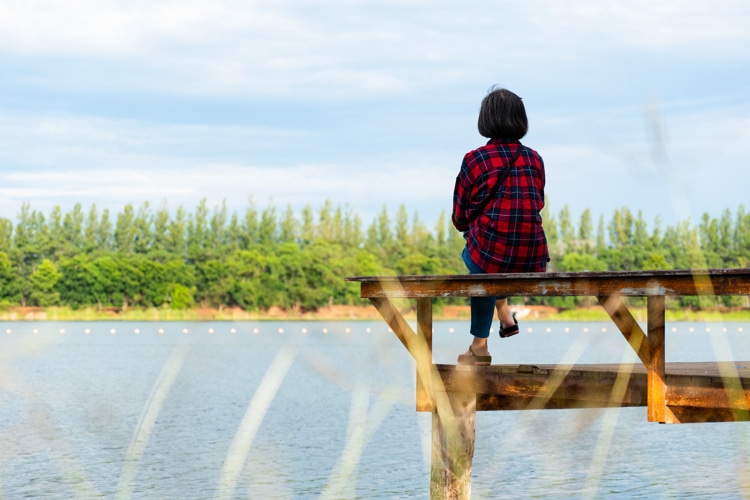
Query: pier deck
x=672, y=393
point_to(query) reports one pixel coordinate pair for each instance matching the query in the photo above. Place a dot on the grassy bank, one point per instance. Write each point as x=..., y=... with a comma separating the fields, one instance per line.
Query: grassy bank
x=338, y=313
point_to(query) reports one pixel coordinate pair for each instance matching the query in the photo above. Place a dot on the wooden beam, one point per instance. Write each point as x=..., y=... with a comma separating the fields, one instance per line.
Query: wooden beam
x=424, y=393
x=635, y=283
x=693, y=415
x=453, y=433
x=522, y=387
x=657, y=405
x=628, y=326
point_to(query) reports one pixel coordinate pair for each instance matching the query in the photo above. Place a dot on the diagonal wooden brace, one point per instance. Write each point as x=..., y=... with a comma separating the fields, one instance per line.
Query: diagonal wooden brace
x=418, y=344
x=628, y=326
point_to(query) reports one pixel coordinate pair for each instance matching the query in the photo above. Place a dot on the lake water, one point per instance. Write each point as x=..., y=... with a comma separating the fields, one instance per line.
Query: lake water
x=326, y=410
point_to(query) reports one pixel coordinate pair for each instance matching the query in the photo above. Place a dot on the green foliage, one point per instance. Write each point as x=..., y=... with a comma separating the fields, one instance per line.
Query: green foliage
x=43, y=282
x=181, y=296
x=10, y=286
x=582, y=262
x=261, y=259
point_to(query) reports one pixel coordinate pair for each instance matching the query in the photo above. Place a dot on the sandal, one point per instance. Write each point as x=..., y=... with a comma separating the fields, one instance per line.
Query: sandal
x=473, y=359
x=511, y=330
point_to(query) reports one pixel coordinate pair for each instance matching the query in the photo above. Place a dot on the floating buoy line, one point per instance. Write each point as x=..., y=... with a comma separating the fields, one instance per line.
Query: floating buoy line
x=348, y=330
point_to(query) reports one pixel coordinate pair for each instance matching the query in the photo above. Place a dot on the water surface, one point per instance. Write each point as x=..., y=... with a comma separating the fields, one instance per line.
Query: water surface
x=311, y=410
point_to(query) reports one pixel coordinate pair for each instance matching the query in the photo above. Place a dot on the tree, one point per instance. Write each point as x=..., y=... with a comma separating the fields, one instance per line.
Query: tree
x=308, y=230
x=586, y=232
x=267, y=231
x=581, y=262
x=197, y=233
x=176, y=241
x=43, y=282
x=181, y=297
x=125, y=230
x=288, y=230
x=142, y=232
x=90, y=229
x=567, y=231
x=10, y=286
x=72, y=230
x=6, y=234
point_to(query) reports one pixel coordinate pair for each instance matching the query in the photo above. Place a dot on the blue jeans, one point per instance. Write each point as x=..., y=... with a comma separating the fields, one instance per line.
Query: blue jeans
x=482, y=308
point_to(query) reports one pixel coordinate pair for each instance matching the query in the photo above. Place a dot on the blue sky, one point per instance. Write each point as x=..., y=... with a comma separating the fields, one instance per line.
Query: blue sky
x=637, y=103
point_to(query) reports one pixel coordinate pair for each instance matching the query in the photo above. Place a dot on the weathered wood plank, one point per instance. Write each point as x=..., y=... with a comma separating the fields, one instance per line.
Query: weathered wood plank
x=638, y=283
x=657, y=405
x=424, y=367
x=527, y=387
x=695, y=386
x=691, y=415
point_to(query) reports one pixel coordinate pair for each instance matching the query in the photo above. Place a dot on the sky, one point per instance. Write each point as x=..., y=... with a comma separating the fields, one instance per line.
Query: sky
x=642, y=104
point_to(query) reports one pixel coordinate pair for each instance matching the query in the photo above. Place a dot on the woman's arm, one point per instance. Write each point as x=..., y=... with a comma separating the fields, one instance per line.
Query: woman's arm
x=462, y=198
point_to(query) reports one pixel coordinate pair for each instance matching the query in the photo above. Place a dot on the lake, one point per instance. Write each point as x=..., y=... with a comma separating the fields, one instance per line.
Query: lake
x=326, y=410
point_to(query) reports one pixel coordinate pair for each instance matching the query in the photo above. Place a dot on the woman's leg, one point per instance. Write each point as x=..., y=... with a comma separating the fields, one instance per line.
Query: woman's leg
x=482, y=313
x=503, y=312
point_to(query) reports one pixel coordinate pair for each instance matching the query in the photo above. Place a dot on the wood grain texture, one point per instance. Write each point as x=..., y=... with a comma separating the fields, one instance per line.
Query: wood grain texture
x=633, y=283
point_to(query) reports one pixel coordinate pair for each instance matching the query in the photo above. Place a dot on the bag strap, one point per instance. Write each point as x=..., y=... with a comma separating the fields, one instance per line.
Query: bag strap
x=500, y=180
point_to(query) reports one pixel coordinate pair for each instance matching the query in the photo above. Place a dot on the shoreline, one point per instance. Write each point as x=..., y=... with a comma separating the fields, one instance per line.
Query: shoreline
x=345, y=313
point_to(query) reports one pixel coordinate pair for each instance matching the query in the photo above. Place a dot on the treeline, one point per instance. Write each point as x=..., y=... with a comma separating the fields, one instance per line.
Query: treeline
x=145, y=257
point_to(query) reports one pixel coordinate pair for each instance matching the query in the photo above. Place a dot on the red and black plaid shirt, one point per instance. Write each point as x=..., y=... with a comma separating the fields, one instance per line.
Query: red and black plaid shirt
x=507, y=236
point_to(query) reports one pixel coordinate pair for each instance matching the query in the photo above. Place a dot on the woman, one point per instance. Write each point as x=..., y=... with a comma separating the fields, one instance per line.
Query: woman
x=500, y=216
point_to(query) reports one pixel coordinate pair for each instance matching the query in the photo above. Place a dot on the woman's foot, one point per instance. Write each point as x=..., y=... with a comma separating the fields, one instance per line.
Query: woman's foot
x=511, y=330
x=473, y=358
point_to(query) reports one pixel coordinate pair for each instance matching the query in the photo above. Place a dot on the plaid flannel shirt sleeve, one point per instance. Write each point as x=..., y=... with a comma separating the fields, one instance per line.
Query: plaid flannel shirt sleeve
x=462, y=214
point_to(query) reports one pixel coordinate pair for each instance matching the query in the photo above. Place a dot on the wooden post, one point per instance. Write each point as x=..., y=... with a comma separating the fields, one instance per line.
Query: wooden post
x=453, y=431
x=657, y=388
x=424, y=359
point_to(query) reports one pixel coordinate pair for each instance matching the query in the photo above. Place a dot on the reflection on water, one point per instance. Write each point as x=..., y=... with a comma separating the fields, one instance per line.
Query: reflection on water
x=326, y=410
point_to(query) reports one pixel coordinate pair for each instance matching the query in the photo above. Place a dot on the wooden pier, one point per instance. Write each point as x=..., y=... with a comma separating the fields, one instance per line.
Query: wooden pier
x=673, y=393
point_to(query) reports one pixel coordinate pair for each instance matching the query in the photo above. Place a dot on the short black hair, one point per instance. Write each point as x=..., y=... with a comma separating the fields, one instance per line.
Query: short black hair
x=502, y=115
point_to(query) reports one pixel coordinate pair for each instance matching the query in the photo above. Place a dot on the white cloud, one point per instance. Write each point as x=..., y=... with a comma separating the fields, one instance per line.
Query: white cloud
x=298, y=185
x=338, y=49
x=416, y=68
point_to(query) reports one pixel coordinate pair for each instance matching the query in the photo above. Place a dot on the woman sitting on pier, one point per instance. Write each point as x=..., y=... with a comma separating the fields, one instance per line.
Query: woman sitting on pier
x=496, y=203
